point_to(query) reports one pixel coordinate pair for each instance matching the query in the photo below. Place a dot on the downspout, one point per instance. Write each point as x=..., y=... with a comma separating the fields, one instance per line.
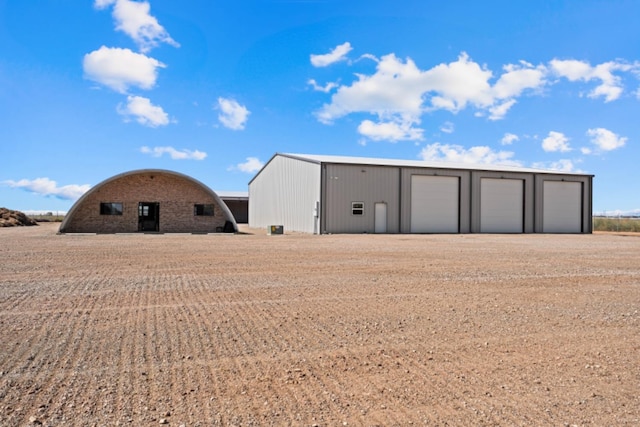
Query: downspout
x=323, y=198
x=399, y=207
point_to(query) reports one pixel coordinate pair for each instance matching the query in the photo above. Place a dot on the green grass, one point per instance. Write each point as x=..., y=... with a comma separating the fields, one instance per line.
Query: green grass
x=616, y=224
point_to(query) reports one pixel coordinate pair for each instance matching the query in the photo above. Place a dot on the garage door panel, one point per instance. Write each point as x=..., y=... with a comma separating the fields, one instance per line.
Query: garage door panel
x=435, y=204
x=501, y=205
x=562, y=207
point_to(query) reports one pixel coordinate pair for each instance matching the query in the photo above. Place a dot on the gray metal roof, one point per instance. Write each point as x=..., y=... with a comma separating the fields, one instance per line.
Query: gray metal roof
x=315, y=158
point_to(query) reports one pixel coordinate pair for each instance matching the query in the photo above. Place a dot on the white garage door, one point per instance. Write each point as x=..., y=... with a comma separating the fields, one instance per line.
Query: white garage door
x=562, y=207
x=435, y=204
x=501, y=205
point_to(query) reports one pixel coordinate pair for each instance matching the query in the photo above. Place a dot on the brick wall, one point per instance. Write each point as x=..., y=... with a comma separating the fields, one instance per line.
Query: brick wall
x=176, y=197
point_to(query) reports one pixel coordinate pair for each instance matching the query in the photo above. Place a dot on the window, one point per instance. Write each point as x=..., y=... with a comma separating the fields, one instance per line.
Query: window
x=203, y=210
x=357, y=208
x=110, y=208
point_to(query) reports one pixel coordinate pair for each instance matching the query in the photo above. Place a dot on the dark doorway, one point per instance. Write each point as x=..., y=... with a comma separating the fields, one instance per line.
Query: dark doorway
x=148, y=216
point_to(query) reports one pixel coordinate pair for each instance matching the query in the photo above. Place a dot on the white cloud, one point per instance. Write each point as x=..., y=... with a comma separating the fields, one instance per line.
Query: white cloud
x=457, y=85
x=473, y=155
x=232, y=115
x=392, y=90
x=368, y=56
x=571, y=69
x=509, y=138
x=144, y=112
x=101, y=4
x=562, y=165
x=610, y=86
x=447, y=127
x=119, y=68
x=390, y=131
x=133, y=18
x=252, y=165
x=556, y=141
x=48, y=187
x=336, y=55
x=497, y=112
x=174, y=154
x=400, y=89
x=512, y=83
x=326, y=88
x=606, y=140
x=518, y=78
x=399, y=92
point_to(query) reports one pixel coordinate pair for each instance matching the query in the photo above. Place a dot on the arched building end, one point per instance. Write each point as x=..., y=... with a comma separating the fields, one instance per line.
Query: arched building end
x=149, y=200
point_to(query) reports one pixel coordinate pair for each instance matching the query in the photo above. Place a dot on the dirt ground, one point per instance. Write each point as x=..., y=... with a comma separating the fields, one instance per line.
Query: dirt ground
x=371, y=330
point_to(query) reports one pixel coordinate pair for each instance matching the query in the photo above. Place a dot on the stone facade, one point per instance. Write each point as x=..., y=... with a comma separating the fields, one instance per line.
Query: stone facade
x=175, y=194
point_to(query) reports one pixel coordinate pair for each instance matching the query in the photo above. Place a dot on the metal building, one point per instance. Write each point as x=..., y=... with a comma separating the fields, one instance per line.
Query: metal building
x=332, y=194
x=238, y=204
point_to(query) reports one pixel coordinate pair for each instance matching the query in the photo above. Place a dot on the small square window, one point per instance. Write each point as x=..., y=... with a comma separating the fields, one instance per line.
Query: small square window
x=110, y=208
x=357, y=208
x=203, y=210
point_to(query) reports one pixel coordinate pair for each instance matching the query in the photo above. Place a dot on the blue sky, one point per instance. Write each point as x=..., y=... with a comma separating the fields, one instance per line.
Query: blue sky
x=212, y=89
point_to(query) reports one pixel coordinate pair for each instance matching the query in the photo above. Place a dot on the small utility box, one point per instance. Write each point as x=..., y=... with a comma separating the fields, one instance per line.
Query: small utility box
x=275, y=229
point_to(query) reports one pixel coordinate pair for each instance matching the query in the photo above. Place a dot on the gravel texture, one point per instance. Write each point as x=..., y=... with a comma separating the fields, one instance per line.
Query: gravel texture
x=372, y=330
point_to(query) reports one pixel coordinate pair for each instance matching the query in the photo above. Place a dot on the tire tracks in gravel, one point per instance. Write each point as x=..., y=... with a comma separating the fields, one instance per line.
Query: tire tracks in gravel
x=93, y=384
x=237, y=353
x=218, y=337
x=327, y=343
x=189, y=378
x=56, y=345
x=231, y=334
x=309, y=388
x=134, y=367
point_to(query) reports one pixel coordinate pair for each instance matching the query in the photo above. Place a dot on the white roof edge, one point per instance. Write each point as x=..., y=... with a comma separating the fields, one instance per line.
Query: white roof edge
x=233, y=194
x=423, y=164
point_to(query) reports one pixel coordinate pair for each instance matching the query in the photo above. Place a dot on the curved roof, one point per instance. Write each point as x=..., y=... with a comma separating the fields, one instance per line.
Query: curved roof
x=69, y=216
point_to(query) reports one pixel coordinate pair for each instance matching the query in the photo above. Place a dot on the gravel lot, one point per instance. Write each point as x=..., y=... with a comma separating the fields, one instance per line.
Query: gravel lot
x=250, y=329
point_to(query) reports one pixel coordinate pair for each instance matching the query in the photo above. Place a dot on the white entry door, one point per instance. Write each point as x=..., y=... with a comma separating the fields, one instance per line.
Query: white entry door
x=380, y=218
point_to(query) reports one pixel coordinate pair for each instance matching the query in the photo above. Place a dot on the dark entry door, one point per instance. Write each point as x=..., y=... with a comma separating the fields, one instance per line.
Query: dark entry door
x=148, y=216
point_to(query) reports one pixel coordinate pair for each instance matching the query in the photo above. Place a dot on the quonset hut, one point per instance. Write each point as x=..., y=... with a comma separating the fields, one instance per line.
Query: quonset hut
x=149, y=200
x=332, y=194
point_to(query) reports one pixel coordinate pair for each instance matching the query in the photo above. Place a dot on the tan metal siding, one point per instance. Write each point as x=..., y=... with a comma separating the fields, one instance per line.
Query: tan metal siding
x=345, y=184
x=285, y=193
x=476, y=197
x=585, y=202
x=290, y=187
